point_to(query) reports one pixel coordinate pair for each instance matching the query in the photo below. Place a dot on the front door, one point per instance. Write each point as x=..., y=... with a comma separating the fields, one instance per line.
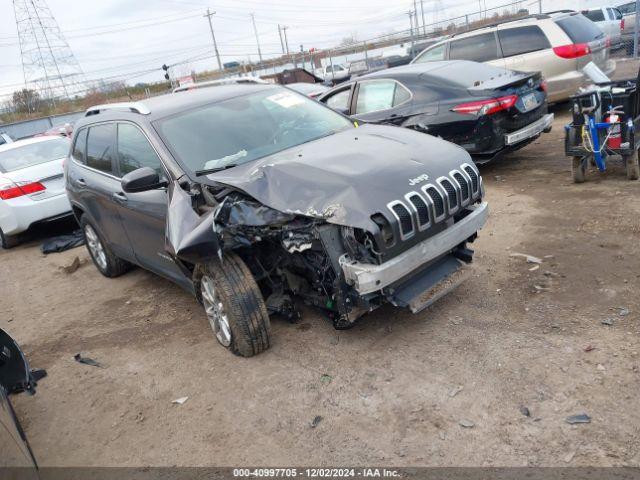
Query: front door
x=144, y=214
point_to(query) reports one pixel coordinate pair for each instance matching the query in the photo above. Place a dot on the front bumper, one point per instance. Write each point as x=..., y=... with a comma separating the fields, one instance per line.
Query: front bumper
x=532, y=130
x=368, y=278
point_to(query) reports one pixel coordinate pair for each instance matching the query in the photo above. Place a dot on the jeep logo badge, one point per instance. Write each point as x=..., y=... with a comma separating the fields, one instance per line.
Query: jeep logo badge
x=417, y=180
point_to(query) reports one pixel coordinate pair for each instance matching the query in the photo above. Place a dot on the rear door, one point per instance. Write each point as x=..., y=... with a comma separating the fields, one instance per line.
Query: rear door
x=144, y=214
x=94, y=183
x=383, y=100
x=524, y=48
x=482, y=47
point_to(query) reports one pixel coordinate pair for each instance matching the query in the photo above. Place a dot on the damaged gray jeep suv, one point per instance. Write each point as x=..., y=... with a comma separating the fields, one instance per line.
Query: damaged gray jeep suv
x=251, y=195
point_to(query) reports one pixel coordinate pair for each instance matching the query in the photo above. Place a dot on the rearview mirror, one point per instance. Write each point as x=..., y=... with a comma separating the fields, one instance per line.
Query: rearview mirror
x=142, y=180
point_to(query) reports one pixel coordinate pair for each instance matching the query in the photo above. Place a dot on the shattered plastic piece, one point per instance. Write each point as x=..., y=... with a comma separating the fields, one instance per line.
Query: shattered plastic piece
x=180, y=401
x=530, y=258
x=525, y=411
x=466, y=423
x=607, y=321
x=455, y=390
x=316, y=420
x=581, y=418
x=623, y=311
x=63, y=242
x=87, y=361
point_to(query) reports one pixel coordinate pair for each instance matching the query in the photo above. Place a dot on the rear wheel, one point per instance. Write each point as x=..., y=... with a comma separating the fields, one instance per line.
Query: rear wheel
x=103, y=258
x=234, y=305
x=8, y=241
x=633, y=166
x=579, y=169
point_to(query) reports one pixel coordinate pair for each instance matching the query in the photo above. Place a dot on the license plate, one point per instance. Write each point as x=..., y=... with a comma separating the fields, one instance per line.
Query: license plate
x=530, y=102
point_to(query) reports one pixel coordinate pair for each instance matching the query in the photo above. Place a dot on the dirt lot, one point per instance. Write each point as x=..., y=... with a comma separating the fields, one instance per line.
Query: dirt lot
x=509, y=338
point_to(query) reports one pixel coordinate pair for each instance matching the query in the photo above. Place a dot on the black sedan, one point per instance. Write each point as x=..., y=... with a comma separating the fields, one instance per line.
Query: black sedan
x=486, y=110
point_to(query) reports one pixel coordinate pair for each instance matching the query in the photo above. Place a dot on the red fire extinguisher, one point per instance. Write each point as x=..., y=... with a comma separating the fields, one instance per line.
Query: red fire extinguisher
x=615, y=133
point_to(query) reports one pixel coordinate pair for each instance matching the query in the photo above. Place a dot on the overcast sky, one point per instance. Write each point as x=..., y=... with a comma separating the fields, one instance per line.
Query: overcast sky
x=120, y=39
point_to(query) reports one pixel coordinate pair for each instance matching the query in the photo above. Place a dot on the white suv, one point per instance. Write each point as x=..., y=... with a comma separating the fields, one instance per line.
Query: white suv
x=559, y=45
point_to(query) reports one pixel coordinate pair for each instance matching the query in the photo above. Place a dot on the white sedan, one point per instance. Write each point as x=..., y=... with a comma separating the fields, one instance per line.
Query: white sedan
x=31, y=185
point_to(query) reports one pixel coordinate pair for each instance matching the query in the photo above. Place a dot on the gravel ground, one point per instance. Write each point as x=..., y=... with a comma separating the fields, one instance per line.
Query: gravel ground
x=447, y=387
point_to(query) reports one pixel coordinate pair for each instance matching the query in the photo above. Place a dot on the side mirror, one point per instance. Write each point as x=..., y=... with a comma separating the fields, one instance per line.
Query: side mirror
x=142, y=180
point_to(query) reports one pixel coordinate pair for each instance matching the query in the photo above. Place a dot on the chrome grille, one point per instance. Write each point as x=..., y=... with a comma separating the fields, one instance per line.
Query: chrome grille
x=464, y=186
x=438, y=202
x=421, y=209
x=473, y=176
x=404, y=217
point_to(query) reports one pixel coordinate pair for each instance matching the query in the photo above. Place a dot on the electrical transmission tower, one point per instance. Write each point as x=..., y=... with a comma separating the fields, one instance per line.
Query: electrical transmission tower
x=48, y=64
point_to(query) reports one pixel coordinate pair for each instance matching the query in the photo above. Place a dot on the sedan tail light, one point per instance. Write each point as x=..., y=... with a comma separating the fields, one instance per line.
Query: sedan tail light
x=486, y=107
x=20, y=189
x=544, y=86
x=622, y=24
x=574, y=50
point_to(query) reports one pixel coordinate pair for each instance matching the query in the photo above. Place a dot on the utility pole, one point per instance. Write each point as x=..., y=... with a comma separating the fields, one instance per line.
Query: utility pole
x=415, y=16
x=540, y=7
x=210, y=14
x=255, y=30
x=280, y=35
x=302, y=52
x=286, y=42
x=424, y=25
x=410, y=13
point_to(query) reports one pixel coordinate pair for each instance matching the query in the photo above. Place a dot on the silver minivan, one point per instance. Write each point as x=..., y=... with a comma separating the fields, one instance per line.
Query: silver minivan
x=559, y=45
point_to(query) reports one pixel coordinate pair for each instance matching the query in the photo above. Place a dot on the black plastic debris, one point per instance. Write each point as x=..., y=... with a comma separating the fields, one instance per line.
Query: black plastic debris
x=87, y=361
x=581, y=418
x=525, y=411
x=63, y=242
x=316, y=420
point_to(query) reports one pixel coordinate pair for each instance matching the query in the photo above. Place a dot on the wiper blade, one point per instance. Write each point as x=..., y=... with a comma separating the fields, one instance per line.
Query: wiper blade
x=199, y=173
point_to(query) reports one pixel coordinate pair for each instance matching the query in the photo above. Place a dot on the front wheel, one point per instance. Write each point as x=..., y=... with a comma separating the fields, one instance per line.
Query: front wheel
x=234, y=305
x=579, y=169
x=633, y=166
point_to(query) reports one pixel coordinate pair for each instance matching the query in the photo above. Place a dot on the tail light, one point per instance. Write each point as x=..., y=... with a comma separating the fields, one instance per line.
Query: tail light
x=544, y=86
x=20, y=189
x=622, y=24
x=574, y=50
x=486, y=107
x=607, y=42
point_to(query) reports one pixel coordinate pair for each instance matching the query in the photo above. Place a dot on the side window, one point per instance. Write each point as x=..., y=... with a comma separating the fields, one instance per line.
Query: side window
x=479, y=48
x=100, y=147
x=434, y=54
x=339, y=101
x=617, y=14
x=79, y=152
x=134, y=150
x=518, y=41
x=380, y=95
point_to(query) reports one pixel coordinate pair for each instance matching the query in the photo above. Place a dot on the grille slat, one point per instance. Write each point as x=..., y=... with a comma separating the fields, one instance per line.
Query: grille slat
x=422, y=209
x=464, y=185
x=474, y=177
x=406, y=224
x=451, y=193
x=438, y=202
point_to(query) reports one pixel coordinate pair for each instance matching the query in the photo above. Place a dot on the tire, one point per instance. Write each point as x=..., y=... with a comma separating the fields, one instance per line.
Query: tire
x=579, y=169
x=633, y=166
x=8, y=241
x=234, y=305
x=103, y=258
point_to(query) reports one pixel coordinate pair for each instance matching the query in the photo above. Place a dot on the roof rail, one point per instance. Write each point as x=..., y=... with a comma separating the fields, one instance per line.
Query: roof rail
x=135, y=107
x=535, y=16
x=220, y=81
x=561, y=11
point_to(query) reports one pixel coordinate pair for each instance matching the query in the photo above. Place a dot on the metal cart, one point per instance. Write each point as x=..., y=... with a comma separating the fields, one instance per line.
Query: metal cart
x=605, y=123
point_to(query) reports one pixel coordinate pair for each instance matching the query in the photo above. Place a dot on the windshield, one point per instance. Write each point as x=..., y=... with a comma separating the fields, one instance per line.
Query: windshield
x=33, y=154
x=246, y=128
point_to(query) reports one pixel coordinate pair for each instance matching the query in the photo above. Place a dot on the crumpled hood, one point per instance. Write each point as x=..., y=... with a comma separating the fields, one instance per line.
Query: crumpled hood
x=346, y=177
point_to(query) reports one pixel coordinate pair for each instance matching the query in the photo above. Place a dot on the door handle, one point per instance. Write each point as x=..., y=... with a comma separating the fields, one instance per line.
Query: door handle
x=119, y=197
x=81, y=183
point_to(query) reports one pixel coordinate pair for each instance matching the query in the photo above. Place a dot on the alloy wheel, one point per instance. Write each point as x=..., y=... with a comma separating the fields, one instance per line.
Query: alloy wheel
x=216, y=314
x=95, y=247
